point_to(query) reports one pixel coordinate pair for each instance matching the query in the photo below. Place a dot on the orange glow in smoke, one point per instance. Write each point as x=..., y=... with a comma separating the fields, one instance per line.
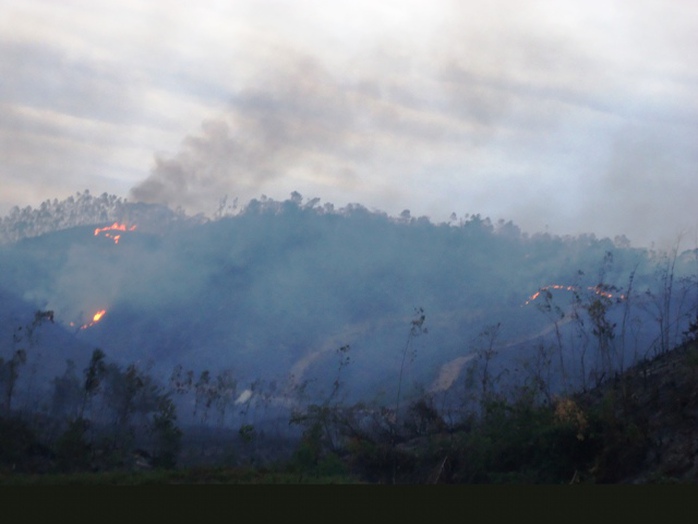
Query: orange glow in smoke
x=95, y=318
x=596, y=289
x=109, y=231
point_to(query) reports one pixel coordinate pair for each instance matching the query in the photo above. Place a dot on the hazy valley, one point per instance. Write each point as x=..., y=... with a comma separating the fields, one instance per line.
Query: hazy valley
x=277, y=310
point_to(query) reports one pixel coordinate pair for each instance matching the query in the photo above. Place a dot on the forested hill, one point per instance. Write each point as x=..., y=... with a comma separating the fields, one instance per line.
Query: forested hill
x=270, y=290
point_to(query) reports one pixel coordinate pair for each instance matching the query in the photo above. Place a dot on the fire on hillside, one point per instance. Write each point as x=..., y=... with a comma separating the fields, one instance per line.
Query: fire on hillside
x=598, y=290
x=95, y=318
x=113, y=231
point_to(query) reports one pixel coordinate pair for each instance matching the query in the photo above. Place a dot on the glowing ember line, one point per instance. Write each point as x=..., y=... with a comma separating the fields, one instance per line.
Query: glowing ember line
x=95, y=318
x=596, y=289
x=114, y=227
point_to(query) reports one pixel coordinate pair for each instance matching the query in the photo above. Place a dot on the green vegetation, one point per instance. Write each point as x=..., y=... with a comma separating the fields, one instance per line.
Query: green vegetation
x=611, y=433
x=570, y=411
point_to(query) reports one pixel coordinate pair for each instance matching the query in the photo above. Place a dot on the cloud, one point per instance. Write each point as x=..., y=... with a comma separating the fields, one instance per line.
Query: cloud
x=297, y=120
x=46, y=76
x=486, y=107
x=401, y=117
x=650, y=182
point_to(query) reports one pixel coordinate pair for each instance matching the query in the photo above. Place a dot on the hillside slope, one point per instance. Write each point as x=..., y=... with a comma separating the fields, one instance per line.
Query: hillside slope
x=656, y=404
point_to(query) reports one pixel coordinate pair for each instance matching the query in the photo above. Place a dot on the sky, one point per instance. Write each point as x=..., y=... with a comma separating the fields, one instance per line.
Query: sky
x=564, y=116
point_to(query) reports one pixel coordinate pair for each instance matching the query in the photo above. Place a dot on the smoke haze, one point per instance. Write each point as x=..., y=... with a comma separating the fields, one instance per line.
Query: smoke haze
x=573, y=117
x=274, y=290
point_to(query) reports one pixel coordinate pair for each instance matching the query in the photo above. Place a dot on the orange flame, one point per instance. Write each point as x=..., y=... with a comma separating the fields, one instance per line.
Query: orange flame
x=114, y=227
x=596, y=289
x=95, y=318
